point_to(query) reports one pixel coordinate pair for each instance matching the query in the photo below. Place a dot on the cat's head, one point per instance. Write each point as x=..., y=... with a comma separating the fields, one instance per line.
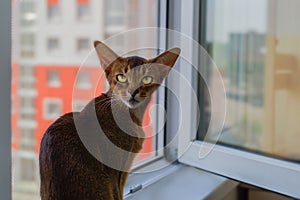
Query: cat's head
x=133, y=79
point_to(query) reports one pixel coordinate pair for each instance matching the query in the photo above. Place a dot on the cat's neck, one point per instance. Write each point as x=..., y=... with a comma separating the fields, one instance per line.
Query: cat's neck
x=140, y=111
x=136, y=114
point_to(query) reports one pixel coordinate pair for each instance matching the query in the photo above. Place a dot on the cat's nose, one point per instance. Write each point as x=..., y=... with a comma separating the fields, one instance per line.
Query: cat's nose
x=133, y=92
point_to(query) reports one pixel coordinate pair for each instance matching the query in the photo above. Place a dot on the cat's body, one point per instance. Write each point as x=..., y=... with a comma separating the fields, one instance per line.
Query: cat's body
x=69, y=171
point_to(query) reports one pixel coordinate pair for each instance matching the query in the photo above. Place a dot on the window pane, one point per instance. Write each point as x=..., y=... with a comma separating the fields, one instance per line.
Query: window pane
x=27, y=174
x=49, y=46
x=27, y=13
x=53, y=9
x=53, y=78
x=83, y=45
x=52, y=108
x=53, y=45
x=83, y=10
x=255, y=44
x=83, y=80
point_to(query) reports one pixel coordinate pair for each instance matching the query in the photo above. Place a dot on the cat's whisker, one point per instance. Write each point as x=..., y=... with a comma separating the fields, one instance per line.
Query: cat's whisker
x=103, y=100
x=104, y=104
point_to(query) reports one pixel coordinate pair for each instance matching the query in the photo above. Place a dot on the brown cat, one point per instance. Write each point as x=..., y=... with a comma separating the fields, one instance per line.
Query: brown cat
x=82, y=158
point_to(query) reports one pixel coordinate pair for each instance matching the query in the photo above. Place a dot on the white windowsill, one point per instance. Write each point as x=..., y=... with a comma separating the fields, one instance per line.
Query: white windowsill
x=178, y=181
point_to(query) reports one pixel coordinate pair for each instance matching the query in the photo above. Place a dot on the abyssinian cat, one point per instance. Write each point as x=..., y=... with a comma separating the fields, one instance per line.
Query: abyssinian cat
x=71, y=169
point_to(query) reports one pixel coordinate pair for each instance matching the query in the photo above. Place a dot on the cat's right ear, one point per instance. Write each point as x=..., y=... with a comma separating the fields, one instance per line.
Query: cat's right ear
x=105, y=55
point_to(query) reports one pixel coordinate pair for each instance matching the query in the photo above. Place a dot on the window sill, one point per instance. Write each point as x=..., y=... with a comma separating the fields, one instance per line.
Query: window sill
x=178, y=181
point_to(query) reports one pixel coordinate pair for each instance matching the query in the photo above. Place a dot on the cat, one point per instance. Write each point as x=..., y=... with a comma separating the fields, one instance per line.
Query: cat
x=68, y=169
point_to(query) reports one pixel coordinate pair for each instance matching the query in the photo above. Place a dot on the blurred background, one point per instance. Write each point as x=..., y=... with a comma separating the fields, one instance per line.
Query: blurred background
x=256, y=46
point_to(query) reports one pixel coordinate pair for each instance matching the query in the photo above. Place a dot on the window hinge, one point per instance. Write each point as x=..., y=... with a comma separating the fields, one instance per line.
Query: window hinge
x=136, y=188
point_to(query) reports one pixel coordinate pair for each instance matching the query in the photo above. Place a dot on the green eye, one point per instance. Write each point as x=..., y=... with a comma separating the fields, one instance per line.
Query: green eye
x=121, y=78
x=147, y=80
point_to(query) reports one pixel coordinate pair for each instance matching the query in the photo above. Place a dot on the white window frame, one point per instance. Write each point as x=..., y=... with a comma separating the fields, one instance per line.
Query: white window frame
x=262, y=171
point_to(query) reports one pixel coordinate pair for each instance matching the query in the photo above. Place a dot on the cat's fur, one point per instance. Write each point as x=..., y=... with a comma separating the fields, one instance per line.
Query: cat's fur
x=67, y=168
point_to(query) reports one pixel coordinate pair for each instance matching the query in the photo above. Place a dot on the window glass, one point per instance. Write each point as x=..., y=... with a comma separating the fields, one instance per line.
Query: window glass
x=83, y=45
x=49, y=46
x=256, y=45
x=28, y=173
x=52, y=108
x=53, y=9
x=78, y=105
x=53, y=78
x=83, y=80
x=27, y=39
x=27, y=12
x=83, y=10
x=27, y=71
x=27, y=43
x=53, y=45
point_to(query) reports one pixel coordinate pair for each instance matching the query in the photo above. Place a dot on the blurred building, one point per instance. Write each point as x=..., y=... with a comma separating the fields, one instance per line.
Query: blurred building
x=246, y=61
x=51, y=38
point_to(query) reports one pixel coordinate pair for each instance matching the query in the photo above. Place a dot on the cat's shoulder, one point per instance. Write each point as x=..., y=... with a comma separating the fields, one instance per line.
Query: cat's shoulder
x=64, y=120
x=61, y=128
x=95, y=105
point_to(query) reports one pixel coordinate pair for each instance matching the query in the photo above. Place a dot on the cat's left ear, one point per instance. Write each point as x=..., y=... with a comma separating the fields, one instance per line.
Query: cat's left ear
x=105, y=55
x=166, y=61
x=168, y=58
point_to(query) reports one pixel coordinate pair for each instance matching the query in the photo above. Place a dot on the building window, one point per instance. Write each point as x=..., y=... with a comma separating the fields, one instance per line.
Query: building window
x=52, y=108
x=27, y=116
x=83, y=45
x=53, y=78
x=27, y=171
x=83, y=9
x=27, y=12
x=26, y=102
x=83, y=80
x=27, y=53
x=27, y=39
x=27, y=43
x=53, y=9
x=78, y=105
x=53, y=45
x=27, y=139
x=27, y=84
x=27, y=7
x=114, y=16
x=27, y=71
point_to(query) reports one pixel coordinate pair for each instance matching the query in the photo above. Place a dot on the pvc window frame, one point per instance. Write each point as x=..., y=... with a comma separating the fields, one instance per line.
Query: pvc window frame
x=262, y=171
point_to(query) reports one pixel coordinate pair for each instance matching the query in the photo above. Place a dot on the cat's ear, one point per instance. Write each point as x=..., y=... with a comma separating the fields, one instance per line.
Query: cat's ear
x=168, y=58
x=105, y=55
x=166, y=61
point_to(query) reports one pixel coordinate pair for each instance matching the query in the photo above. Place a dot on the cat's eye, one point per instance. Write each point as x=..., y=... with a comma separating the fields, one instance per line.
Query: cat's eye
x=121, y=78
x=147, y=80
